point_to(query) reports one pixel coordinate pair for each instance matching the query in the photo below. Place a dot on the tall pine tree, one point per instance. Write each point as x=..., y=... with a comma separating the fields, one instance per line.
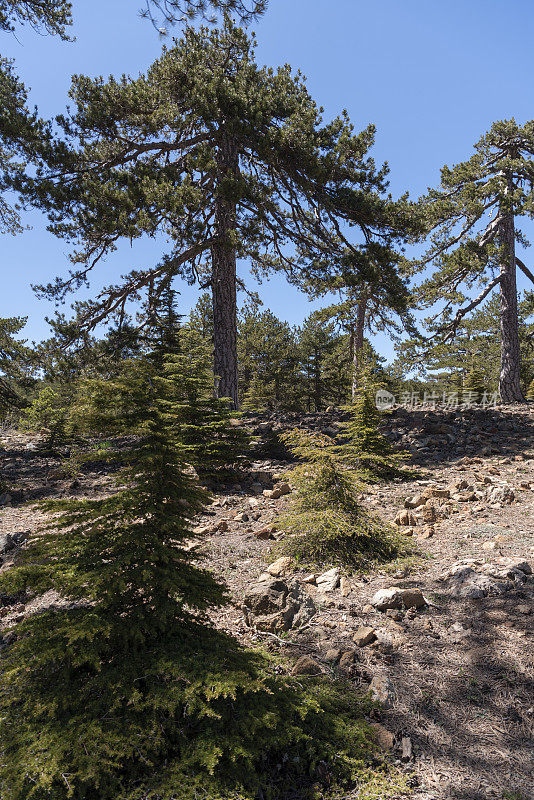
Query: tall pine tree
x=229, y=161
x=474, y=217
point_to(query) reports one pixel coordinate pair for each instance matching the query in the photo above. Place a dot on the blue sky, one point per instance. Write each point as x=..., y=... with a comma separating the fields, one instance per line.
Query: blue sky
x=431, y=75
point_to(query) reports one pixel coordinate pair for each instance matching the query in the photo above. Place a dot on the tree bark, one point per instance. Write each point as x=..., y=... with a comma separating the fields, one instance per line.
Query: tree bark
x=317, y=382
x=224, y=290
x=357, y=346
x=509, y=382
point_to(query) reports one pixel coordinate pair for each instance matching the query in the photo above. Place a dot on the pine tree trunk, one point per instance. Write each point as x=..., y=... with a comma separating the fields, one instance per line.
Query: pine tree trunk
x=357, y=347
x=509, y=383
x=224, y=278
x=318, y=389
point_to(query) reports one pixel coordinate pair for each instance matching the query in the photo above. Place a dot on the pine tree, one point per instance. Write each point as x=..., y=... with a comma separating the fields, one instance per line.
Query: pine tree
x=326, y=522
x=16, y=364
x=362, y=446
x=268, y=358
x=474, y=386
x=316, y=340
x=474, y=215
x=123, y=690
x=260, y=395
x=193, y=149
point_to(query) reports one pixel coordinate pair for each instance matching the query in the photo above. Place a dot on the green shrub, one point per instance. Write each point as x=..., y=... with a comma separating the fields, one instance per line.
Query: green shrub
x=124, y=690
x=326, y=522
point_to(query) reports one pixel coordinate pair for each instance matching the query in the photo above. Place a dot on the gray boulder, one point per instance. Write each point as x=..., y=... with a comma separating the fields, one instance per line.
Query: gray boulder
x=277, y=606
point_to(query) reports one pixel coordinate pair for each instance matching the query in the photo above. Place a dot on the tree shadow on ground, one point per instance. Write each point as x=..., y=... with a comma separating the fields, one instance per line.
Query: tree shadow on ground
x=465, y=692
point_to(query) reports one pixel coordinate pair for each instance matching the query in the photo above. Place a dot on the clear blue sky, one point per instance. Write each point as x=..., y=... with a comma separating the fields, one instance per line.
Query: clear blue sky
x=432, y=75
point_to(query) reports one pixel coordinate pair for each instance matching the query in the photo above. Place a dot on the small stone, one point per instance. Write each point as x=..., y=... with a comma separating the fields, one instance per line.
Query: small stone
x=306, y=666
x=524, y=609
x=397, y=598
x=345, y=586
x=428, y=532
x=442, y=493
x=329, y=581
x=264, y=533
x=202, y=530
x=364, y=636
x=382, y=690
x=406, y=746
x=384, y=738
x=346, y=662
x=223, y=525
x=241, y=517
x=282, y=566
x=405, y=519
x=415, y=501
x=489, y=545
x=332, y=655
x=311, y=579
x=280, y=491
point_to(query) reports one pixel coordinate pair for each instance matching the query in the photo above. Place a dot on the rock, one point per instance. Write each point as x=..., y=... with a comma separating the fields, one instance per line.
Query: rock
x=474, y=579
x=428, y=532
x=280, y=491
x=241, y=517
x=501, y=494
x=274, y=605
x=282, y=566
x=253, y=503
x=345, y=586
x=264, y=533
x=346, y=662
x=385, y=739
x=306, y=666
x=332, y=655
x=465, y=497
x=441, y=493
x=222, y=526
x=5, y=499
x=406, y=519
x=329, y=581
x=430, y=514
x=397, y=598
x=415, y=501
x=6, y=543
x=202, y=530
x=406, y=747
x=524, y=609
x=382, y=690
x=10, y=541
x=311, y=579
x=364, y=636
x=489, y=545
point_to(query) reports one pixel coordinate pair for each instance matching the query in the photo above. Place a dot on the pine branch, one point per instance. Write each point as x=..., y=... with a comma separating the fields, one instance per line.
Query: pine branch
x=523, y=267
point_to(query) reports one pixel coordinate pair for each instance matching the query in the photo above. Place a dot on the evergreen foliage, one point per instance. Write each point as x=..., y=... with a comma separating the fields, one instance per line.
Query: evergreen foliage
x=474, y=387
x=326, y=522
x=473, y=216
x=226, y=159
x=362, y=446
x=268, y=358
x=47, y=414
x=123, y=690
x=15, y=364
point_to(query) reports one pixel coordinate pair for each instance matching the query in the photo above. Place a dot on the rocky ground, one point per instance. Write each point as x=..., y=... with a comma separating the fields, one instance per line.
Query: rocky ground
x=448, y=651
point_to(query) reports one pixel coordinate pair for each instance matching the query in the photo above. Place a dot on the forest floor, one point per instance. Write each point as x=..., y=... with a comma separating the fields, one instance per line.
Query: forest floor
x=456, y=677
